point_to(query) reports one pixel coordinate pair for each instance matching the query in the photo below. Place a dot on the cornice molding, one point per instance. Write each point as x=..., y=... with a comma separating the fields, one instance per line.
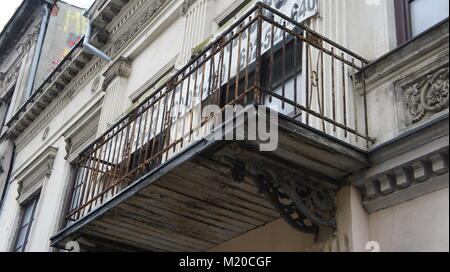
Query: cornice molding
x=32, y=177
x=68, y=92
x=382, y=190
x=58, y=104
x=136, y=26
x=407, y=167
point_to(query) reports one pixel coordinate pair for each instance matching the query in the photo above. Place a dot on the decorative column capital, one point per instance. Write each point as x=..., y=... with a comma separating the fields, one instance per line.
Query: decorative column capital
x=120, y=68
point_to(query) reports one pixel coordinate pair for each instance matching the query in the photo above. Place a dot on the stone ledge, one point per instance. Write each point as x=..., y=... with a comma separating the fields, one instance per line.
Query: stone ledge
x=408, y=181
x=435, y=184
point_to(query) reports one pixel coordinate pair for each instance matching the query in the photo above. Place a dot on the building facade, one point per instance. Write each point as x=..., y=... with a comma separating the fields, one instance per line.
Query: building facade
x=121, y=140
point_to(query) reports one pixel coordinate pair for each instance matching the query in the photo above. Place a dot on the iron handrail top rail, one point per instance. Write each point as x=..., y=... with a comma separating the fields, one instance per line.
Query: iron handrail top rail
x=258, y=6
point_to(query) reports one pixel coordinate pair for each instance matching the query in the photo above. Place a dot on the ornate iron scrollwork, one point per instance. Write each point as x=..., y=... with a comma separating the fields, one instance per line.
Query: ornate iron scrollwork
x=304, y=204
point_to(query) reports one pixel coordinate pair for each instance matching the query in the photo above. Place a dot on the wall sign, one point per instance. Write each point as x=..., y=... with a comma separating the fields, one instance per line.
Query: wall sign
x=298, y=10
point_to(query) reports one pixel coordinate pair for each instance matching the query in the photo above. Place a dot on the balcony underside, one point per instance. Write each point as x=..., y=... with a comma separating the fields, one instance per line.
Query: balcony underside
x=192, y=202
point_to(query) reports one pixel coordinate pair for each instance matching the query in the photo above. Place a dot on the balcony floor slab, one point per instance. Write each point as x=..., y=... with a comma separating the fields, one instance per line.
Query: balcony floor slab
x=192, y=203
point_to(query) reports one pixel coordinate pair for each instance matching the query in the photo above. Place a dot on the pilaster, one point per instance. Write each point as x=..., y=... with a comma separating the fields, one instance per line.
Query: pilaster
x=197, y=21
x=114, y=86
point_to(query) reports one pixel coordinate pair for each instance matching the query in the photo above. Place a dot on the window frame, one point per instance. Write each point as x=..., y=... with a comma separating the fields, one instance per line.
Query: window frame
x=33, y=204
x=403, y=21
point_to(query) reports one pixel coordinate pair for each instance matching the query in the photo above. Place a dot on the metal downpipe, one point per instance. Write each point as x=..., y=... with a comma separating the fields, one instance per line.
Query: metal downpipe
x=38, y=50
x=91, y=48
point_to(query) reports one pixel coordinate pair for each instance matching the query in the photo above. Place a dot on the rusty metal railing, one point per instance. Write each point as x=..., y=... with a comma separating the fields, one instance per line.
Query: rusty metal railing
x=264, y=58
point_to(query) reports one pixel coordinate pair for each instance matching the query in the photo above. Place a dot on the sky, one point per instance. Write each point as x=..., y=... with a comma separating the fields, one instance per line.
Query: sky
x=10, y=6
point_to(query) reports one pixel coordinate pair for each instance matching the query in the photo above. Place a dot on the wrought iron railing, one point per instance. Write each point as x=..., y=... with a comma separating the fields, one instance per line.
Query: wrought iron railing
x=264, y=58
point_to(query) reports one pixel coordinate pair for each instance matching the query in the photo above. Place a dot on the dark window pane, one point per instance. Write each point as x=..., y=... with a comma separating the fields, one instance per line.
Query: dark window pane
x=27, y=215
x=19, y=249
x=22, y=236
x=25, y=226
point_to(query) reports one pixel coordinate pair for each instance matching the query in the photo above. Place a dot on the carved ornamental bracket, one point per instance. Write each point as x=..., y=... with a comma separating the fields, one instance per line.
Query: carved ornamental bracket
x=304, y=204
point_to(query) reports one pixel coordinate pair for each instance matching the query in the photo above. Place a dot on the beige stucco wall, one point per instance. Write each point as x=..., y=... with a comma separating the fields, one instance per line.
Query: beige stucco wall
x=352, y=219
x=166, y=41
x=418, y=225
x=274, y=237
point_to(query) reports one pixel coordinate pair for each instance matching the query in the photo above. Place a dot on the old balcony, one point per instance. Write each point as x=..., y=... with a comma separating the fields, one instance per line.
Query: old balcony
x=158, y=181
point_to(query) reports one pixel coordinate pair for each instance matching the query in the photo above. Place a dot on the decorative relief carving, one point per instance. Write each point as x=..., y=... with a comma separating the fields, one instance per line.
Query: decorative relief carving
x=138, y=24
x=95, y=85
x=45, y=134
x=12, y=76
x=304, y=204
x=30, y=41
x=428, y=96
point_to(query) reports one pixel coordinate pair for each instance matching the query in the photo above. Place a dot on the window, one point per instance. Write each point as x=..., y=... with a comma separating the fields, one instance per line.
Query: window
x=25, y=225
x=413, y=17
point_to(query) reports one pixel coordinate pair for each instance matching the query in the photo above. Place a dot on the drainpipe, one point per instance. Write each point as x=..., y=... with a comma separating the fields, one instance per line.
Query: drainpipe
x=91, y=48
x=38, y=50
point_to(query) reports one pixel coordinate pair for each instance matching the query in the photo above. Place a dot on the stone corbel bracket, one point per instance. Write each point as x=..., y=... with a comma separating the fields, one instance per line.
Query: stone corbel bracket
x=303, y=203
x=120, y=68
x=406, y=182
